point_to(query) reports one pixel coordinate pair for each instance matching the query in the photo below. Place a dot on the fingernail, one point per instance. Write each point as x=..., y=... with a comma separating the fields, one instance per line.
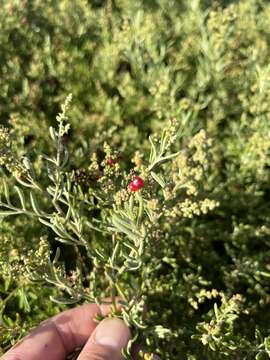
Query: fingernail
x=113, y=333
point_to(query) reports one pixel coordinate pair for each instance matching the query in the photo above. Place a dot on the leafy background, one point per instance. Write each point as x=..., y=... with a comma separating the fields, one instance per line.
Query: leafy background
x=132, y=66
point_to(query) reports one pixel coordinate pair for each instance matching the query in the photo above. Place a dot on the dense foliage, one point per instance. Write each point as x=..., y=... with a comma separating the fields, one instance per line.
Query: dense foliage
x=175, y=93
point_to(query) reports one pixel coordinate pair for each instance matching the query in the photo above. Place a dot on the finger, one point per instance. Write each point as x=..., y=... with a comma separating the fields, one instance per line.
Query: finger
x=57, y=337
x=107, y=341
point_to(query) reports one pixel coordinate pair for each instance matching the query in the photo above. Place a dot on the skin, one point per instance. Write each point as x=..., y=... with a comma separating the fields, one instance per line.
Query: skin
x=57, y=337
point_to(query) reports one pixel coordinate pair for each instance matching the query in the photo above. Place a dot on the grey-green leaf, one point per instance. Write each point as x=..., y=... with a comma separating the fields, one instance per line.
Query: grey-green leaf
x=34, y=204
x=158, y=179
x=4, y=213
x=21, y=197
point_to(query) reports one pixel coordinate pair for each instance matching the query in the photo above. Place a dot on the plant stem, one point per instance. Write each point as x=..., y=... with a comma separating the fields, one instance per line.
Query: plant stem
x=112, y=284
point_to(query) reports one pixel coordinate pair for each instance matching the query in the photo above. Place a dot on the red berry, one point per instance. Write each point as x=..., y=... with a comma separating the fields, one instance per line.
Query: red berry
x=110, y=162
x=136, y=184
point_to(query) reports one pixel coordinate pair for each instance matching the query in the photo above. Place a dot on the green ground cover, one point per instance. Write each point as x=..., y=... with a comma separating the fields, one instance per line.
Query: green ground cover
x=177, y=93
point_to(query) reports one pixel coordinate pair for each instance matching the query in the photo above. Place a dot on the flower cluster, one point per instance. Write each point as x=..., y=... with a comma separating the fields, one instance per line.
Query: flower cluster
x=7, y=157
x=155, y=187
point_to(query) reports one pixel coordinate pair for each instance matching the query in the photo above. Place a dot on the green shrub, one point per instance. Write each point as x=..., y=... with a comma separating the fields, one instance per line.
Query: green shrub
x=177, y=93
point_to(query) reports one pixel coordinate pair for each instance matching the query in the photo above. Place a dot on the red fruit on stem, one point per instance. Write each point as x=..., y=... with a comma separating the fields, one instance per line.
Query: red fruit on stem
x=110, y=162
x=136, y=184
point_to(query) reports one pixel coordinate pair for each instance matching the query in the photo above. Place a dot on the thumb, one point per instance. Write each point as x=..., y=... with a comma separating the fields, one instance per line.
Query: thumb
x=107, y=341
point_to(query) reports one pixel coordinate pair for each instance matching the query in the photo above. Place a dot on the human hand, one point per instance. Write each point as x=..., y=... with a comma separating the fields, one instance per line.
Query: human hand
x=56, y=338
